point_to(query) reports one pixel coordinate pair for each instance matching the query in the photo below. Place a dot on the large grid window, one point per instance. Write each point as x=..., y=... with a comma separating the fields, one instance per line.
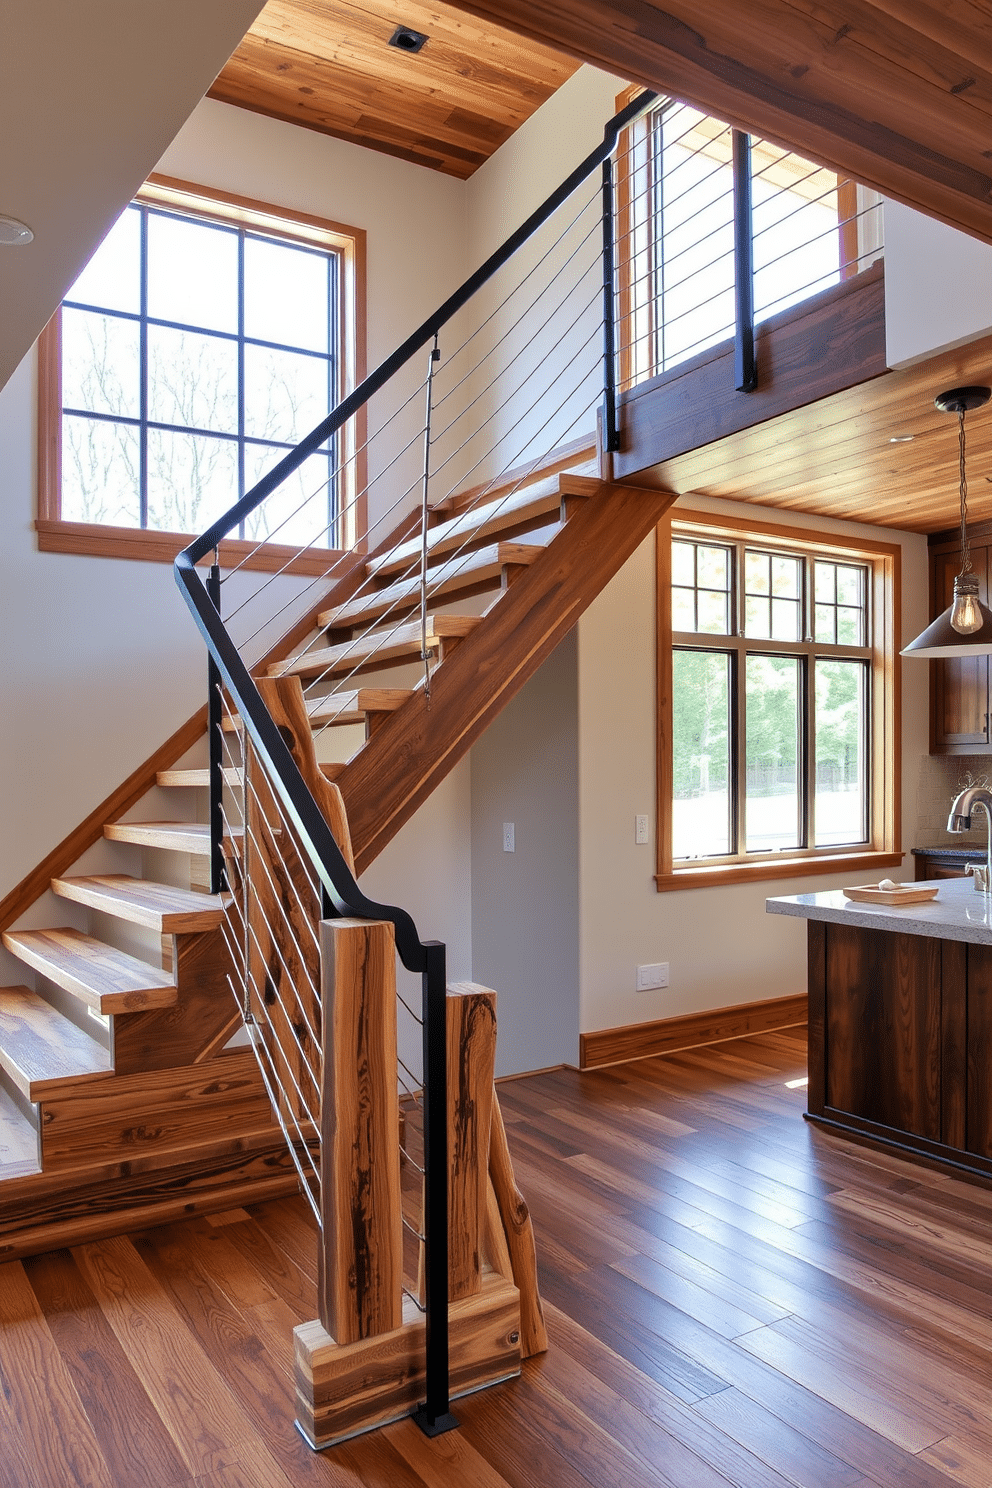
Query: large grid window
x=198, y=346
x=777, y=722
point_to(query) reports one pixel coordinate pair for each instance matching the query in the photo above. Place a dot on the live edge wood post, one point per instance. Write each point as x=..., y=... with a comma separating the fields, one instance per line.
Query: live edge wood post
x=471, y=1039
x=361, y=1266
x=362, y=1363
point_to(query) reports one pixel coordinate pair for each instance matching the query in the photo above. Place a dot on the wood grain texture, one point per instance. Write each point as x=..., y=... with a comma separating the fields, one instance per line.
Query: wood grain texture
x=188, y=837
x=361, y=1261
x=400, y=643
x=155, y=1114
x=107, y=980
x=883, y=1033
x=341, y=1390
x=284, y=699
x=818, y=459
x=848, y=83
x=471, y=1042
x=62, y=857
x=458, y=575
x=834, y=341
x=772, y=1306
x=518, y=1231
x=476, y=682
x=664, y=1035
x=42, y=1211
x=329, y=67
x=160, y=907
x=197, y=1027
x=40, y=1049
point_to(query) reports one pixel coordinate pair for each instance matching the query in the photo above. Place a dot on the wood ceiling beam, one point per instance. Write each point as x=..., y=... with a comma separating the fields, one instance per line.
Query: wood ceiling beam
x=888, y=91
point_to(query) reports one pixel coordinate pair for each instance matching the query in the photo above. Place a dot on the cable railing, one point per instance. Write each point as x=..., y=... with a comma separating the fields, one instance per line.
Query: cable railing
x=678, y=231
x=461, y=422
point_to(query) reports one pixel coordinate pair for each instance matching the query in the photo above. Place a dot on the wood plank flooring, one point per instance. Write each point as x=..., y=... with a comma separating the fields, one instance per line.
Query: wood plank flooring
x=733, y=1298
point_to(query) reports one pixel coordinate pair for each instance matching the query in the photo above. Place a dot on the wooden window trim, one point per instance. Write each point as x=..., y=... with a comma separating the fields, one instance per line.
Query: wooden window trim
x=96, y=540
x=884, y=849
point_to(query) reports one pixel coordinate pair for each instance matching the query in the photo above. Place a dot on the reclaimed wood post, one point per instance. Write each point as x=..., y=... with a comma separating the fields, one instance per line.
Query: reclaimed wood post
x=471, y=1045
x=360, y=1270
x=519, y=1232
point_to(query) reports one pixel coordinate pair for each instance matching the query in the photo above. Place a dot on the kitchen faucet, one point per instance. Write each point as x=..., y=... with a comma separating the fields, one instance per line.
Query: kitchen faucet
x=960, y=821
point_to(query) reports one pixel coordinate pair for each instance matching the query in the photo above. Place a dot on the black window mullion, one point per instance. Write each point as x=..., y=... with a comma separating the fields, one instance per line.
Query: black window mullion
x=241, y=372
x=333, y=393
x=143, y=374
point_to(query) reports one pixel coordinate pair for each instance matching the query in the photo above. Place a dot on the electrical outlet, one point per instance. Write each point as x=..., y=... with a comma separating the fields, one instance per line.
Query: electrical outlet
x=508, y=843
x=649, y=978
x=640, y=830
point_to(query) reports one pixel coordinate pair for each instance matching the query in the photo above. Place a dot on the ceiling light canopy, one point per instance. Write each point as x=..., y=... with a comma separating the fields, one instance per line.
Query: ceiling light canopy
x=965, y=627
x=13, y=233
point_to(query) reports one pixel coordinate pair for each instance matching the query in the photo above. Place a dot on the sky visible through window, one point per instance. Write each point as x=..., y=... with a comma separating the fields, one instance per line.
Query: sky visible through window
x=194, y=355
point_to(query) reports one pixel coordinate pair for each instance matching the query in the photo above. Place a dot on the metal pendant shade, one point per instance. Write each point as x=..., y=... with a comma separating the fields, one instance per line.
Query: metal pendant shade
x=965, y=627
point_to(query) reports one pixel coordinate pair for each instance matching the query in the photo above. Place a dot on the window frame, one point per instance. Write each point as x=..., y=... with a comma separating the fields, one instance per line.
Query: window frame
x=637, y=309
x=883, y=560
x=98, y=540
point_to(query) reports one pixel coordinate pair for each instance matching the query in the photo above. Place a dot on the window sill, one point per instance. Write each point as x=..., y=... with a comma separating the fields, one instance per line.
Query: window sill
x=804, y=867
x=94, y=541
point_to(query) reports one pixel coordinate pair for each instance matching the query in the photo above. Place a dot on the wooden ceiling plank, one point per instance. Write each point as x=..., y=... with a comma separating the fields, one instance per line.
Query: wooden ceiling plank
x=446, y=73
x=963, y=26
x=326, y=64
x=670, y=50
x=455, y=28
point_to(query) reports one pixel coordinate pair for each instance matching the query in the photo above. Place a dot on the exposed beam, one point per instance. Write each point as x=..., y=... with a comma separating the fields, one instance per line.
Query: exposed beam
x=893, y=92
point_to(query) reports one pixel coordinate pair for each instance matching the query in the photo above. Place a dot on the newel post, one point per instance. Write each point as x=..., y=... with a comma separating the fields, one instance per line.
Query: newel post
x=361, y=1263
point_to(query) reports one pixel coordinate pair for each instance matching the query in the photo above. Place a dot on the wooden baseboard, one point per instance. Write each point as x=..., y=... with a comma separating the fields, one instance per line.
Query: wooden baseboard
x=666, y=1035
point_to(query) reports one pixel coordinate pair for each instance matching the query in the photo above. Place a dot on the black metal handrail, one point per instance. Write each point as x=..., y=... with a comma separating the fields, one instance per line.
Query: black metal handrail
x=341, y=894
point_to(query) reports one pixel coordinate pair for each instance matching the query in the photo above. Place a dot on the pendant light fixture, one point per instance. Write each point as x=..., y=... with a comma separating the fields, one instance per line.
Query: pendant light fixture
x=965, y=627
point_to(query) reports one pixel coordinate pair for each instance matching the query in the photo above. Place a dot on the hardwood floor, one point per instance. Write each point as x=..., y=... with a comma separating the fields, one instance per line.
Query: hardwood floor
x=733, y=1298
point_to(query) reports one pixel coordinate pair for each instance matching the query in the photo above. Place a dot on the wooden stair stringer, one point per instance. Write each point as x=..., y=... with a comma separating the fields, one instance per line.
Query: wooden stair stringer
x=414, y=748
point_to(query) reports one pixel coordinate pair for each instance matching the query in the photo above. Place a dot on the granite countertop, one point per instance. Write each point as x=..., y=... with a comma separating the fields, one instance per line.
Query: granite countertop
x=957, y=913
x=966, y=850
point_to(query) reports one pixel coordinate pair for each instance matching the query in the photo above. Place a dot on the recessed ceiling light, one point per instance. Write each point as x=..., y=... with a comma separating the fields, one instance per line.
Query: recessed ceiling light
x=901, y=438
x=407, y=39
x=13, y=233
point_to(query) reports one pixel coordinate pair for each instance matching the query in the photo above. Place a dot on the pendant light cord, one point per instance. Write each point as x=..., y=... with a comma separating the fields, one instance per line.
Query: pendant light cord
x=963, y=490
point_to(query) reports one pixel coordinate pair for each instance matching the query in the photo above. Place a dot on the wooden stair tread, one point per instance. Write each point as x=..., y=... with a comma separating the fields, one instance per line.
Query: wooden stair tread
x=378, y=647
x=40, y=1049
x=198, y=778
x=353, y=707
x=191, y=837
x=467, y=571
x=475, y=523
x=107, y=979
x=161, y=907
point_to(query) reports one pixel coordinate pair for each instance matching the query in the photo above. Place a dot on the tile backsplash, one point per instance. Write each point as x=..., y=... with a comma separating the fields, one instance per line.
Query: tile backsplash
x=941, y=777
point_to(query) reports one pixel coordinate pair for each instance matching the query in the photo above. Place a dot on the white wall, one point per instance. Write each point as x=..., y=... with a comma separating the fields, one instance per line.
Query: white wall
x=720, y=948
x=101, y=659
x=938, y=286
x=525, y=903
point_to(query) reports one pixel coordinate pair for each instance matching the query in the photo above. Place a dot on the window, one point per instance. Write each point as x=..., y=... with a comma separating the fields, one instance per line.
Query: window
x=203, y=340
x=778, y=726
x=676, y=259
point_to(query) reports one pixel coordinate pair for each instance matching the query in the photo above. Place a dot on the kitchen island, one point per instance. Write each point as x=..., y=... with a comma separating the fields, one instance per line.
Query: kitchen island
x=900, y=1020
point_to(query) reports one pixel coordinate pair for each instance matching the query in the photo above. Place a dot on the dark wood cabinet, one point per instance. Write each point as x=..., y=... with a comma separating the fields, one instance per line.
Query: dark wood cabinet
x=900, y=1041
x=944, y=862
x=959, y=689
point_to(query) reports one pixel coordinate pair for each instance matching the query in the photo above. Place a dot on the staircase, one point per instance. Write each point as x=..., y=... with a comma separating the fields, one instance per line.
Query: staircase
x=125, y=1098
x=120, y=1103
